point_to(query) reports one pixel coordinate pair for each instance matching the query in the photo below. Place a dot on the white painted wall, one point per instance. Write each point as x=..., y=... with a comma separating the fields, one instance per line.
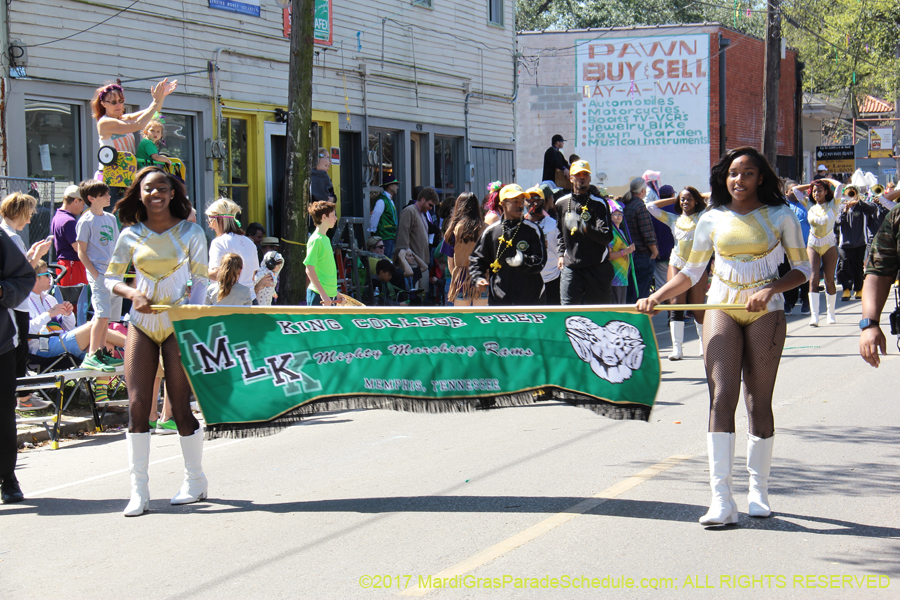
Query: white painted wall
x=451, y=49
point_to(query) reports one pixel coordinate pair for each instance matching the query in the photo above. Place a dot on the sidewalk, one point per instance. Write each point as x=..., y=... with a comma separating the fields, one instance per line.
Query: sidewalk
x=70, y=425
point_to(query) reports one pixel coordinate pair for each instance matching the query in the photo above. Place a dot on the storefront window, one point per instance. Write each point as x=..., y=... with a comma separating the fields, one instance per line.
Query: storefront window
x=178, y=142
x=446, y=166
x=235, y=172
x=316, y=136
x=381, y=163
x=52, y=142
x=417, y=144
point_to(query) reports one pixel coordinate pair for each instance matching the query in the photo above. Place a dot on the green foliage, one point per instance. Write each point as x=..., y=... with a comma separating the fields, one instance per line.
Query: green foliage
x=582, y=14
x=847, y=45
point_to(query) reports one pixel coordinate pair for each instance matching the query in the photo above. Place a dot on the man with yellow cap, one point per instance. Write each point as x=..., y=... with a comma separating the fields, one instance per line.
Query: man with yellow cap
x=510, y=255
x=585, y=232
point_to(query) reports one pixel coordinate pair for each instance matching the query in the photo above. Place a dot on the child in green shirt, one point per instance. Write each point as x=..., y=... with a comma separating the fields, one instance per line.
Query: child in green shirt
x=148, y=150
x=320, y=266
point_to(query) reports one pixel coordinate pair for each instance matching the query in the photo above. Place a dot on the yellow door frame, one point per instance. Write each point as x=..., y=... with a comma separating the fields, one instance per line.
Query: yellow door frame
x=256, y=113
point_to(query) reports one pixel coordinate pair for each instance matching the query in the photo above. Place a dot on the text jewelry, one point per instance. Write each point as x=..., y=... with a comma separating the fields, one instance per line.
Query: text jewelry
x=503, y=244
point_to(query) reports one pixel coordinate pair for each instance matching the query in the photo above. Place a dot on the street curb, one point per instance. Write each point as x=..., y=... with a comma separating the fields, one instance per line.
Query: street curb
x=69, y=426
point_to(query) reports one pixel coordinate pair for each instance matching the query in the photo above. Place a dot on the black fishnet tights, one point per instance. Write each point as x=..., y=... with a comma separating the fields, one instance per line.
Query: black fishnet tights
x=141, y=360
x=753, y=351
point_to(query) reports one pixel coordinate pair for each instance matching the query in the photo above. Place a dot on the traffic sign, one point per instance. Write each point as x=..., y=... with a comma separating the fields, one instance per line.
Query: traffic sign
x=838, y=159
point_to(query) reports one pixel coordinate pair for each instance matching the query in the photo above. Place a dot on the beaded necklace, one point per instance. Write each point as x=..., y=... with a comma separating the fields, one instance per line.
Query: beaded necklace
x=501, y=242
x=585, y=215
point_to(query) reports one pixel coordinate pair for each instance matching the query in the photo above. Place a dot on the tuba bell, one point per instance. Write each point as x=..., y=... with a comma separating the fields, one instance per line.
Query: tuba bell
x=877, y=189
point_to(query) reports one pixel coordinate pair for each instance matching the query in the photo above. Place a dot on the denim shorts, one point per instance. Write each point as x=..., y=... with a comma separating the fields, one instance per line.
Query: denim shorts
x=59, y=344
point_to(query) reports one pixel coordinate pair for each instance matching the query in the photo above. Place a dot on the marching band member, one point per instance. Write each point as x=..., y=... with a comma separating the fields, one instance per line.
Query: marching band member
x=689, y=205
x=168, y=252
x=821, y=246
x=510, y=255
x=749, y=229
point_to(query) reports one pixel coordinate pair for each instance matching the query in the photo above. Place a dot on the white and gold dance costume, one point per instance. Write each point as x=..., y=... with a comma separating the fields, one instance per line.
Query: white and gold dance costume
x=748, y=250
x=683, y=227
x=821, y=219
x=743, y=348
x=164, y=263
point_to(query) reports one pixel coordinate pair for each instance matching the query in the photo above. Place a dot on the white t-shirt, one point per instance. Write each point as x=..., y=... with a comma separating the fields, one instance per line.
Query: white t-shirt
x=231, y=243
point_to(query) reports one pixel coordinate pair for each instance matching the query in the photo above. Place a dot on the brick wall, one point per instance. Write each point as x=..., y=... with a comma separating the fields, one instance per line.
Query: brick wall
x=744, y=95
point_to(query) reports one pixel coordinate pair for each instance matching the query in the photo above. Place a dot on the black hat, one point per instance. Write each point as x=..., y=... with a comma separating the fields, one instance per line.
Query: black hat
x=557, y=138
x=389, y=180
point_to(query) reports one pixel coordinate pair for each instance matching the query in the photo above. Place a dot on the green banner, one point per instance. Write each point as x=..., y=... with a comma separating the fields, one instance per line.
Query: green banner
x=253, y=365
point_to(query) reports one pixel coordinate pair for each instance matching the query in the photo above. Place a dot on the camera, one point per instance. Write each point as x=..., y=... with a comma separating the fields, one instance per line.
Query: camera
x=895, y=321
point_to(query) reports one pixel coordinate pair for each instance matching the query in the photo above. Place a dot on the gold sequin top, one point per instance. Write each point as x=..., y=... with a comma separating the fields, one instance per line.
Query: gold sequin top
x=748, y=250
x=164, y=264
x=821, y=217
x=682, y=227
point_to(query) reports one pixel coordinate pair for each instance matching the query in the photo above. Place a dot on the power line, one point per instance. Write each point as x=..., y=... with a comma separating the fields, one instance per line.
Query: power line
x=88, y=29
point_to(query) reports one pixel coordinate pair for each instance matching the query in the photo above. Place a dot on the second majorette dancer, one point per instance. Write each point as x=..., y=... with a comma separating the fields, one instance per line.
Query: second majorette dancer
x=689, y=205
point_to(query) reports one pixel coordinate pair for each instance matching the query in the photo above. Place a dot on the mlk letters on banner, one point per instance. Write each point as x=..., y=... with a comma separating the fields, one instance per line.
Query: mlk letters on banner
x=249, y=366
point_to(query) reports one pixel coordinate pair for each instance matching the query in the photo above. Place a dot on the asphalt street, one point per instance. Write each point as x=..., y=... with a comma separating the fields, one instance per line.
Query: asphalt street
x=370, y=504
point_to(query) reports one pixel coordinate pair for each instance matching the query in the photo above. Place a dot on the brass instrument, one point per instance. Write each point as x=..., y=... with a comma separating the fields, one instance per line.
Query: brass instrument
x=851, y=192
x=877, y=189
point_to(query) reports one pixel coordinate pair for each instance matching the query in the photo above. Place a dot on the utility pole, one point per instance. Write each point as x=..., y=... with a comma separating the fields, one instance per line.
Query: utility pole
x=772, y=77
x=897, y=116
x=299, y=152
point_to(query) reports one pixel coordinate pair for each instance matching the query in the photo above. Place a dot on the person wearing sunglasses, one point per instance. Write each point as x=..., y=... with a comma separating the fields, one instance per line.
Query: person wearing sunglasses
x=46, y=316
x=116, y=128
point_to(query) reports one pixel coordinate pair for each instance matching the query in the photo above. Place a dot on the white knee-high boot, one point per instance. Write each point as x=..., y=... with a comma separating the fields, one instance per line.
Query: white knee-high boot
x=676, y=328
x=830, y=299
x=699, y=337
x=759, y=463
x=723, y=509
x=138, y=461
x=195, y=485
x=814, y=309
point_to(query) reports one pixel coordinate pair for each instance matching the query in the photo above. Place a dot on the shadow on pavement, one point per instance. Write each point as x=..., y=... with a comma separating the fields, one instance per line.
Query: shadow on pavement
x=54, y=507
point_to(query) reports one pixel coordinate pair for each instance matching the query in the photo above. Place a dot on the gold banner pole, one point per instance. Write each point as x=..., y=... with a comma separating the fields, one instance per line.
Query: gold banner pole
x=615, y=307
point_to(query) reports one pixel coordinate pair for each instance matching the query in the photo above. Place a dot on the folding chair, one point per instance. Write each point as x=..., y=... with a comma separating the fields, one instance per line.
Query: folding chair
x=52, y=372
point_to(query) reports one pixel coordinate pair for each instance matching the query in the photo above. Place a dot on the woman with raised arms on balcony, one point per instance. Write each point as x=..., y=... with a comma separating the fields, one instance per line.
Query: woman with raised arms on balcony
x=116, y=128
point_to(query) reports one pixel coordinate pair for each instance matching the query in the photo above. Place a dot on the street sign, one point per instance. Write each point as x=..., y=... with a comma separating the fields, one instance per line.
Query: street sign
x=881, y=142
x=838, y=159
x=891, y=171
x=322, y=26
x=244, y=7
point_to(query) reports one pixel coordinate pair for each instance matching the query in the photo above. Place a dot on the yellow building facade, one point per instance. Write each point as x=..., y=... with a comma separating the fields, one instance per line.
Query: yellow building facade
x=254, y=144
